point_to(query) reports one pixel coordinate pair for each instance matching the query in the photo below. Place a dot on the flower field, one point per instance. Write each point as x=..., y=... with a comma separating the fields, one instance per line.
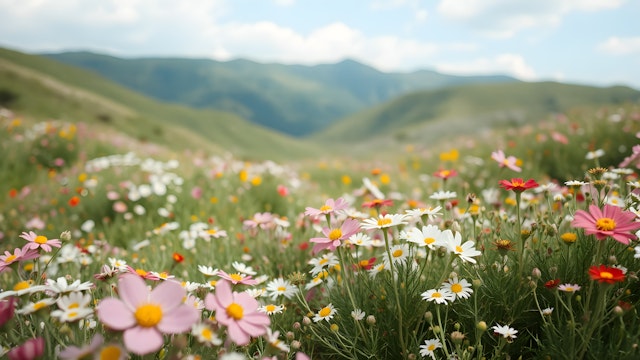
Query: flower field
x=518, y=243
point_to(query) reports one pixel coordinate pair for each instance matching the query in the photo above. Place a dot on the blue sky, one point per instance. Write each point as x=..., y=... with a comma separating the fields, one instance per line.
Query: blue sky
x=594, y=42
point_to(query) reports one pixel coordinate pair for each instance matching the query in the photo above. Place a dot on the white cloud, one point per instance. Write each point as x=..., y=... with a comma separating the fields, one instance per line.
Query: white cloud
x=509, y=64
x=620, y=46
x=505, y=18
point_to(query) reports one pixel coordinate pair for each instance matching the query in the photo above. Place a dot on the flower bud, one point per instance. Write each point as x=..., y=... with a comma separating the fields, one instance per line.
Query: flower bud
x=295, y=344
x=618, y=311
x=306, y=320
x=371, y=320
x=482, y=326
x=536, y=273
x=457, y=337
x=66, y=235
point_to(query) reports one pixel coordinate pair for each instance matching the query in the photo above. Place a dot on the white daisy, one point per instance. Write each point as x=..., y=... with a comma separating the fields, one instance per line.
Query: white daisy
x=205, y=334
x=507, y=332
x=432, y=213
x=430, y=236
x=429, y=346
x=327, y=260
x=461, y=289
x=360, y=239
x=271, y=309
x=443, y=195
x=61, y=286
x=465, y=251
x=326, y=313
x=281, y=287
x=32, y=307
x=273, y=338
x=384, y=221
x=399, y=254
x=243, y=268
x=441, y=296
x=208, y=270
x=358, y=314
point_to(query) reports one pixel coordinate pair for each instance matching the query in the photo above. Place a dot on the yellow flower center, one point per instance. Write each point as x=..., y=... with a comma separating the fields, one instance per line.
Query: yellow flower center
x=235, y=311
x=429, y=240
x=270, y=308
x=206, y=333
x=335, y=234
x=41, y=239
x=326, y=208
x=431, y=347
x=325, y=311
x=323, y=261
x=39, y=305
x=110, y=352
x=606, y=275
x=75, y=305
x=72, y=315
x=605, y=224
x=456, y=288
x=10, y=258
x=569, y=237
x=384, y=221
x=236, y=277
x=281, y=288
x=21, y=285
x=436, y=295
x=397, y=253
x=148, y=315
x=141, y=272
x=458, y=249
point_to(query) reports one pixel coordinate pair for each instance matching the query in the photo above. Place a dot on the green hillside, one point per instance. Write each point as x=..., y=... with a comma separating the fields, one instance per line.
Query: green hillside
x=427, y=116
x=44, y=88
x=292, y=99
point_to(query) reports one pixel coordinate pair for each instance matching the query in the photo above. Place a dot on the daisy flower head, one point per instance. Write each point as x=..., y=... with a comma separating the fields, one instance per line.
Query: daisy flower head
x=360, y=239
x=73, y=307
x=238, y=311
x=430, y=236
x=461, y=288
x=506, y=331
x=569, y=288
x=465, y=251
x=145, y=315
x=205, y=335
x=399, y=253
x=271, y=309
x=281, y=287
x=326, y=313
x=40, y=242
x=243, y=268
x=326, y=261
x=19, y=254
x=62, y=286
x=440, y=296
x=334, y=237
x=428, y=348
x=237, y=278
x=505, y=161
x=273, y=339
x=610, y=221
x=443, y=195
x=32, y=307
x=330, y=206
x=358, y=314
x=518, y=185
x=208, y=270
x=445, y=174
x=592, y=155
x=384, y=221
x=605, y=274
x=432, y=213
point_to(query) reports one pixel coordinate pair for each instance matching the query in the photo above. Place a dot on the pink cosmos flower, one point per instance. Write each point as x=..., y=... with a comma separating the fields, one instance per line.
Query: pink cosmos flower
x=237, y=278
x=611, y=221
x=238, y=311
x=504, y=161
x=634, y=158
x=334, y=237
x=19, y=254
x=262, y=220
x=30, y=349
x=330, y=206
x=39, y=241
x=145, y=315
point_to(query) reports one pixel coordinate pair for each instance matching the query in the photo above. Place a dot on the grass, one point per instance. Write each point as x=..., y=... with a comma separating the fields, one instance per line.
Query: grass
x=165, y=213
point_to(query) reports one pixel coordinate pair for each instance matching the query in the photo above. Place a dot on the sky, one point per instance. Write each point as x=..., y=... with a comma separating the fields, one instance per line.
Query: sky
x=592, y=42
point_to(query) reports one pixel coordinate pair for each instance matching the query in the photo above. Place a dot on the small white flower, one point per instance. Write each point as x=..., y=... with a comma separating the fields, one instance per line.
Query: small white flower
x=326, y=313
x=429, y=347
x=506, y=331
x=441, y=296
x=358, y=314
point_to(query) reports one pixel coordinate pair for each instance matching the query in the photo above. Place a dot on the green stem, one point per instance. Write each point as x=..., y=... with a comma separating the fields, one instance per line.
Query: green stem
x=403, y=341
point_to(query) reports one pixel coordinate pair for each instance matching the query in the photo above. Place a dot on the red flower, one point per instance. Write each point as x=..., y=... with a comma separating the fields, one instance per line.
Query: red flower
x=552, y=284
x=605, y=274
x=377, y=203
x=518, y=185
x=445, y=174
x=74, y=201
x=177, y=257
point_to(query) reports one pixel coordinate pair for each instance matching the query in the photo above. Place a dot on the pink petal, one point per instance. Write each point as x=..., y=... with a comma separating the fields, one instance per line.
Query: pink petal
x=237, y=335
x=115, y=314
x=168, y=295
x=224, y=295
x=143, y=340
x=179, y=320
x=133, y=290
x=210, y=302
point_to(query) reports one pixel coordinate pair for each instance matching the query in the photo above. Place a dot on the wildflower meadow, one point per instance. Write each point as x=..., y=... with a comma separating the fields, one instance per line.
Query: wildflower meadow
x=517, y=243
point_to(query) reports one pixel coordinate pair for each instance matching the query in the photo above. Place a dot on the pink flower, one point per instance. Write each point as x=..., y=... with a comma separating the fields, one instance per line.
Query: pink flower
x=39, y=241
x=145, y=315
x=504, y=161
x=611, y=221
x=330, y=206
x=19, y=254
x=283, y=190
x=30, y=349
x=334, y=237
x=74, y=352
x=262, y=220
x=7, y=308
x=634, y=158
x=237, y=278
x=196, y=192
x=238, y=311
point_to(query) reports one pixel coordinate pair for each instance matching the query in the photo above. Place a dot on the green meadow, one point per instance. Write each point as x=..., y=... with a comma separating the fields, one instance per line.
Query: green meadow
x=368, y=240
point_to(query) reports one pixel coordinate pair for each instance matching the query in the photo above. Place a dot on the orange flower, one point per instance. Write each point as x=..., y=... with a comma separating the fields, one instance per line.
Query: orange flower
x=177, y=257
x=74, y=201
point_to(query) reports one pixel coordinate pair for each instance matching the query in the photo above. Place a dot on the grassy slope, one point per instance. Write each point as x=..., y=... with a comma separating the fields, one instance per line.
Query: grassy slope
x=432, y=115
x=48, y=89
